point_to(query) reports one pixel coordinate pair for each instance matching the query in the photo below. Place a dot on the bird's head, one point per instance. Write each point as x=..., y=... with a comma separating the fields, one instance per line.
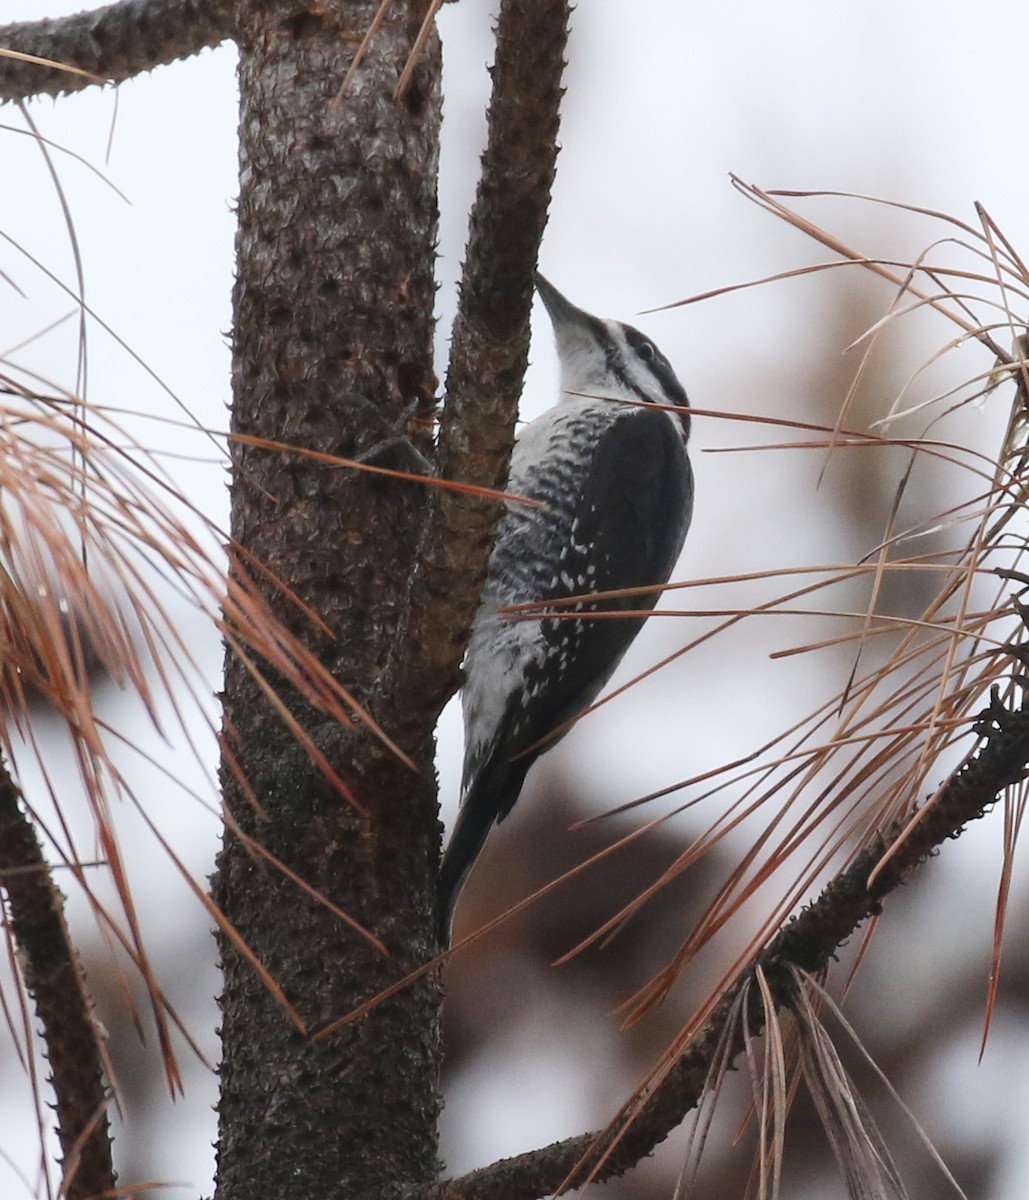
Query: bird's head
x=606, y=358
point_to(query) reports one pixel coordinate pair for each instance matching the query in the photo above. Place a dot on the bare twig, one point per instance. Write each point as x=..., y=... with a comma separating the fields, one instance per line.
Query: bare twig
x=112, y=43
x=55, y=981
x=490, y=346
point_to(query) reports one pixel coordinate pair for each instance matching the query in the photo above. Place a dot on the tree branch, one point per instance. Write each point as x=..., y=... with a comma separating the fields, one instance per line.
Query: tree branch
x=809, y=942
x=112, y=43
x=54, y=979
x=489, y=352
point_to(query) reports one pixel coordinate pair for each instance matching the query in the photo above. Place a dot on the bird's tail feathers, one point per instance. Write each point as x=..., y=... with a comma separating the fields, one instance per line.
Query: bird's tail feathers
x=489, y=798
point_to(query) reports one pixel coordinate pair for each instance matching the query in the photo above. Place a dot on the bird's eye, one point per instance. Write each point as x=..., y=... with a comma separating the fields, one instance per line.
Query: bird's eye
x=646, y=351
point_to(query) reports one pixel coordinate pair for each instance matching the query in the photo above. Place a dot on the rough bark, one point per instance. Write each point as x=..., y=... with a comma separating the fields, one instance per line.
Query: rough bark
x=333, y=326
x=490, y=345
x=112, y=43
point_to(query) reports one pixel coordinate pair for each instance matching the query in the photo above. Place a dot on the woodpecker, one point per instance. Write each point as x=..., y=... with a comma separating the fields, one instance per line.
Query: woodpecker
x=614, y=491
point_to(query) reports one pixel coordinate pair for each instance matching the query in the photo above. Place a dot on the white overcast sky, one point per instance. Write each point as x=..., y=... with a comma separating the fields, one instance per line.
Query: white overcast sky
x=923, y=103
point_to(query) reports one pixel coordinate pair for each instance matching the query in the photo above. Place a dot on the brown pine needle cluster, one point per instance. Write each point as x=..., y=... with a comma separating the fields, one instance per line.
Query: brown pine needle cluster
x=94, y=542
x=877, y=754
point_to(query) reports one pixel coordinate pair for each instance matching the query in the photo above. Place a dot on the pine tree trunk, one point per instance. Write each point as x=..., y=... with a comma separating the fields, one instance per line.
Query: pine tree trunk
x=333, y=302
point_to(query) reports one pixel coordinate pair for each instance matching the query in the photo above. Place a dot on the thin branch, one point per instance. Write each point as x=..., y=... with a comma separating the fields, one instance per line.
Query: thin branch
x=112, y=43
x=55, y=981
x=490, y=347
x=809, y=942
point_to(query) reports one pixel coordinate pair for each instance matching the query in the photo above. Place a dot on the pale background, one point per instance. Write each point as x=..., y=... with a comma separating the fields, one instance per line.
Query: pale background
x=920, y=103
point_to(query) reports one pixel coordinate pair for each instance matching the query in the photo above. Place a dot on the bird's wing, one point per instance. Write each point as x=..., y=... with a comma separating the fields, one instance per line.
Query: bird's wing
x=625, y=529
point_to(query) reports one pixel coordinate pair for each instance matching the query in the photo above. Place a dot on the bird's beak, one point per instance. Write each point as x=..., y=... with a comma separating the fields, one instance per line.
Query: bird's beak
x=562, y=311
